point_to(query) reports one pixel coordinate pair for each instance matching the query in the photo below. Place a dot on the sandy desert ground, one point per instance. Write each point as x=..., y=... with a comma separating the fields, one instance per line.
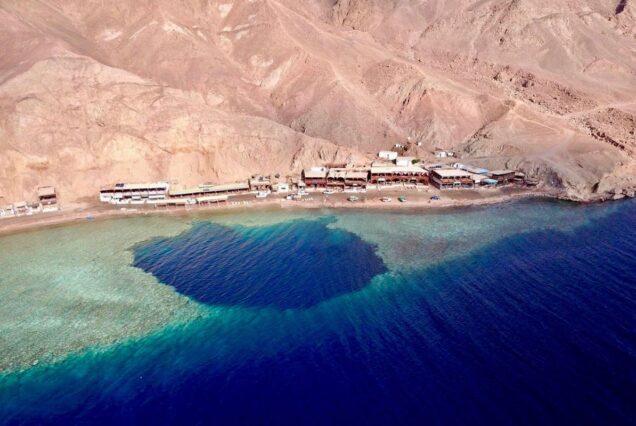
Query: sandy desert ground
x=93, y=92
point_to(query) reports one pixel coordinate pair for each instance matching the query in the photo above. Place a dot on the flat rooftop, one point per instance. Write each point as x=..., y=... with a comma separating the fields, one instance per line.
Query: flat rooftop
x=137, y=186
x=46, y=191
x=450, y=173
x=348, y=174
x=260, y=181
x=501, y=172
x=315, y=173
x=238, y=186
x=397, y=169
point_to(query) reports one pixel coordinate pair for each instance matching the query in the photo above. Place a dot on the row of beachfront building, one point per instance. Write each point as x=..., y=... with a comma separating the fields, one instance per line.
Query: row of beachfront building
x=46, y=202
x=388, y=170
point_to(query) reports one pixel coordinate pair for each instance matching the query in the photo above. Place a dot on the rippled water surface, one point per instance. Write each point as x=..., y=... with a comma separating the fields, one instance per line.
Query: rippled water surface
x=521, y=313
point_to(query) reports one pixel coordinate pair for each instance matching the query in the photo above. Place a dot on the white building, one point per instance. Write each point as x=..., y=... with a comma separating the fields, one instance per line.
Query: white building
x=404, y=161
x=440, y=153
x=282, y=187
x=126, y=192
x=6, y=211
x=388, y=155
x=21, y=208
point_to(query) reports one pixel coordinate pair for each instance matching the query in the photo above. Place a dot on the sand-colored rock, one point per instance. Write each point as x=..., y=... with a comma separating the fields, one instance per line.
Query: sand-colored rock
x=93, y=92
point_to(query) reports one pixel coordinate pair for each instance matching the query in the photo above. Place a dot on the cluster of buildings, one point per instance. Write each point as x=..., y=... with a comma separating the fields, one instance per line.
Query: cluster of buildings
x=352, y=179
x=389, y=169
x=460, y=176
x=46, y=202
x=163, y=194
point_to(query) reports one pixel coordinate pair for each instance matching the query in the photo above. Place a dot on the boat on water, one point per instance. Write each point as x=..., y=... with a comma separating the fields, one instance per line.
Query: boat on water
x=402, y=199
x=353, y=198
x=386, y=199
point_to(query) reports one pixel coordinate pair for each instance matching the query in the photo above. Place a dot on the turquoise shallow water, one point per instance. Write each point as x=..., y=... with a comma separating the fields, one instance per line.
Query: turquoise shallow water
x=513, y=314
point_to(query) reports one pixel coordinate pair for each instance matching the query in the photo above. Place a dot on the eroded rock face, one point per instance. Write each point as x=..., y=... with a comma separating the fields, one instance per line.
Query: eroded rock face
x=93, y=92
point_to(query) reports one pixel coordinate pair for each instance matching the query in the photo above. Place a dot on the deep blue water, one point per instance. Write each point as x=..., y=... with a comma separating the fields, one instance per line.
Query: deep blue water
x=282, y=265
x=537, y=328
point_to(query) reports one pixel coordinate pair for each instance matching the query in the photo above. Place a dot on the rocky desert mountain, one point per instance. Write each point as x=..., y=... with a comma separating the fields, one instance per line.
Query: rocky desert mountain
x=94, y=91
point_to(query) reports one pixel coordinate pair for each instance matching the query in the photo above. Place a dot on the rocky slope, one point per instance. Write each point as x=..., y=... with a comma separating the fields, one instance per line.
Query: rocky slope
x=93, y=92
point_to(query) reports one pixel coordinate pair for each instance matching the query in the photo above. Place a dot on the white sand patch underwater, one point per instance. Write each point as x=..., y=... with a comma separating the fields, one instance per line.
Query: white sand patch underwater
x=69, y=288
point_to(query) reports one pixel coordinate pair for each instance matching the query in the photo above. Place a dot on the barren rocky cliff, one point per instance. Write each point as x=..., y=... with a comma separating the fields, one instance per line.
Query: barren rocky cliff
x=93, y=92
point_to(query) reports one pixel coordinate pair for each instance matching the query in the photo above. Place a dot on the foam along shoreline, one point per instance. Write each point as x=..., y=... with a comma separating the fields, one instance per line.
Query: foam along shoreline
x=314, y=200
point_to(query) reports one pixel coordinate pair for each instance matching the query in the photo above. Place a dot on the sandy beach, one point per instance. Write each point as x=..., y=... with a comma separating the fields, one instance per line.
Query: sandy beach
x=415, y=200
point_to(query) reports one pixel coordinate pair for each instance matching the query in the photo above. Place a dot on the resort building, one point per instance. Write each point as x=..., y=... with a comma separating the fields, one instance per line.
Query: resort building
x=388, y=155
x=480, y=179
x=315, y=177
x=208, y=189
x=520, y=178
x=451, y=179
x=471, y=169
x=382, y=175
x=430, y=167
x=137, y=193
x=502, y=176
x=404, y=161
x=35, y=207
x=6, y=211
x=47, y=198
x=21, y=208
x=348, y=178
x=441, y=153
x=260, y=183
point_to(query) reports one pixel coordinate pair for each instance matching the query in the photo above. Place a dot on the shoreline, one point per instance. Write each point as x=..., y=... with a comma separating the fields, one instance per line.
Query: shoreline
x=419, y=200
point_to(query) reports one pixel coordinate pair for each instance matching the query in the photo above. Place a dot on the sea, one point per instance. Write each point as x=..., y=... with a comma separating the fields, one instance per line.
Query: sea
x=522, y=313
